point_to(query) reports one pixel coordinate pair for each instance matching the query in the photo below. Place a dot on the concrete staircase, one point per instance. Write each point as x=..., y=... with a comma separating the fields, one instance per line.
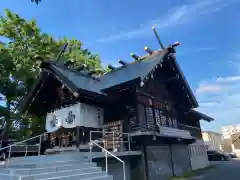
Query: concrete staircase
x=53, y=167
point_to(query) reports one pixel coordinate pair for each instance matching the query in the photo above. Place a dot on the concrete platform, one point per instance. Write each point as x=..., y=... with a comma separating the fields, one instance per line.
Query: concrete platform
x=118, y=154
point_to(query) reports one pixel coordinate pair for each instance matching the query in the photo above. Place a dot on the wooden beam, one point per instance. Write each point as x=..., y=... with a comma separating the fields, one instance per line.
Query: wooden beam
x=148, y=50
x=122, y=62
x=134, y=56
x=111, y=67
x=175, y=44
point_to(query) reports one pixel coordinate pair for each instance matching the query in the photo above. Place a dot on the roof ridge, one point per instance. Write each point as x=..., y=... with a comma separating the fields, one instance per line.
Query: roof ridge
x=72, y=70
x=141, y=59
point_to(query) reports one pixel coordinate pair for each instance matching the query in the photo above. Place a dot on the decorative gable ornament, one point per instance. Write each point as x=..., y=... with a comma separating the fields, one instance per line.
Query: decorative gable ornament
x=54, y=121
x=70, y=118
x=75, y=115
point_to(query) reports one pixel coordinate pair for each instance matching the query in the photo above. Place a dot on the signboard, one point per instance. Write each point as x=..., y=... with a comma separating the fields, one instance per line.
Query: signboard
x=172, y=132
x=76, y=115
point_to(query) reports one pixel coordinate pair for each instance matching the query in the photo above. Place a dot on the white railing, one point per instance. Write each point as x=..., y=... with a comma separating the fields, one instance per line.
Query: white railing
x=106, y=158
x=18, y=144
x=101, y=139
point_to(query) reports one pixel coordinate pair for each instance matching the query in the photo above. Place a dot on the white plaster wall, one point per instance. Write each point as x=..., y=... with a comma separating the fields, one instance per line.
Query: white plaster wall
x=198, y=155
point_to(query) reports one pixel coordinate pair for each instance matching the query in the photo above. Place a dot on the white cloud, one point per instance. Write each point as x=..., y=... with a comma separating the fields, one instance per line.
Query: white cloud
x=223, y=104
x=196, y=50
x=207, y=88
x=178, y=15
x=228, y=79
x=237, y=56
x=209, y=104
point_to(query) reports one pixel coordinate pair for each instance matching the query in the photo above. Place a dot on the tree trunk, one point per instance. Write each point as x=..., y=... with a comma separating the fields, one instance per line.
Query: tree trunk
x=4, y=133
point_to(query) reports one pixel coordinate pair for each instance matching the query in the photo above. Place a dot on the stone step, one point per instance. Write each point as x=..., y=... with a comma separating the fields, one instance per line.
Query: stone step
x=89, y=176
x=44, y=164
x=79, y=176
x=28, y=171
x=62, y=173
x=8, y=177
x=100, y=178
x=51, y=158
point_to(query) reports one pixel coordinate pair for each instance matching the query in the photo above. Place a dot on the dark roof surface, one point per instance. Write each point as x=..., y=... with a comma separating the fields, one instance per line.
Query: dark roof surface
x=139, y=69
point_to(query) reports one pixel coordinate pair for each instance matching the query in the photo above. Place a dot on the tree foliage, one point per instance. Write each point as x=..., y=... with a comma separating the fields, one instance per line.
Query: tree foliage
x=23, y=41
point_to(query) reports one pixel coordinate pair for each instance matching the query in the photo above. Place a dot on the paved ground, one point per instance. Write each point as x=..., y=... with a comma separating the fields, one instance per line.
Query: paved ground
x=226, y=170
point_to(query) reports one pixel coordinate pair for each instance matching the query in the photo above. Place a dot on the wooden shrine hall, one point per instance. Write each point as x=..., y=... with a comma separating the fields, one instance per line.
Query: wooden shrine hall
x=148, y=95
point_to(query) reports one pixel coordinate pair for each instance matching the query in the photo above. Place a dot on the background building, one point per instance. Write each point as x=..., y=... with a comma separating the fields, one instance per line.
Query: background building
x=231, y=142
x=212, y=140
x=229, y=130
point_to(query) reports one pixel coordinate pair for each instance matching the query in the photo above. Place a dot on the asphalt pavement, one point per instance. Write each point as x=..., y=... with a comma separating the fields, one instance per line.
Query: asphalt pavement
x=223, y=170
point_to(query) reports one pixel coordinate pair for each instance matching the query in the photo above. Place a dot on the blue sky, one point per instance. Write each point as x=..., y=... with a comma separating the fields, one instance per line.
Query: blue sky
x=208, y=31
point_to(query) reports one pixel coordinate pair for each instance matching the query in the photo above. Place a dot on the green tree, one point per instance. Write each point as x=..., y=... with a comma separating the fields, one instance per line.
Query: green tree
x=18, y=69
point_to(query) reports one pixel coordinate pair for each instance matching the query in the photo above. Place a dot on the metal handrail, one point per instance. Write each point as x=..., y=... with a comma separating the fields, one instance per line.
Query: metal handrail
x=16, y=144
x=106, y=158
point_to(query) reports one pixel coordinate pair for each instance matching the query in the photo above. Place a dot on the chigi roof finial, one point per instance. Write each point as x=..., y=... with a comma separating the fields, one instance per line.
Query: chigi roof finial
x=157, y=36
x=176, y=44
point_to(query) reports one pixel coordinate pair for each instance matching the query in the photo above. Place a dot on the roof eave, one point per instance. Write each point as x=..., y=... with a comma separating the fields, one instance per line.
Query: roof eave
x=202, y=116
x=192, y=96
x=25, y=101
x=65, y=81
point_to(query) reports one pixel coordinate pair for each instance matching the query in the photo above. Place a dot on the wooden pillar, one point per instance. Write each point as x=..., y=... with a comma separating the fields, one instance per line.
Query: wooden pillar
x=77, y=137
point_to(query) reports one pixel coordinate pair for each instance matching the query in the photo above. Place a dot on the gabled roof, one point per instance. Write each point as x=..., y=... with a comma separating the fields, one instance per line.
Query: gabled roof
x=138, y=70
